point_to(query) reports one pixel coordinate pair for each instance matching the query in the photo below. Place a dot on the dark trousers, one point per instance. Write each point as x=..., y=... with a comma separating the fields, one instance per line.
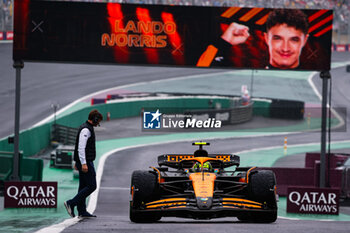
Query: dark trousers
x=87, y=184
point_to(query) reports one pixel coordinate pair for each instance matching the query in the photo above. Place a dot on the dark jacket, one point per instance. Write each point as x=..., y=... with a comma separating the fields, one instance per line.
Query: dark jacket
x=90, y=149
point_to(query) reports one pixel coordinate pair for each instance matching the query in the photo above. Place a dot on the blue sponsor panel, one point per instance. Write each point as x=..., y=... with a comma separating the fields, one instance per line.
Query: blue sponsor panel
x=152, y=120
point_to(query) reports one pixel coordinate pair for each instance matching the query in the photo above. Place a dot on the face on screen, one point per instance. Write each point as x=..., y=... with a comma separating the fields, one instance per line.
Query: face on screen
x=285, y=44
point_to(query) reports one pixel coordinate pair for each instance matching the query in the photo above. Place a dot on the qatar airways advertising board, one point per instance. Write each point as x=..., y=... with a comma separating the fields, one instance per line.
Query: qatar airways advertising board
x=313, y=200
x=30, y=194
x=185, y=36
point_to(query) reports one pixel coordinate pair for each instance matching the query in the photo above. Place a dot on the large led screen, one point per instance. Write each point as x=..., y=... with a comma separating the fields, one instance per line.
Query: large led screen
x=187, y=36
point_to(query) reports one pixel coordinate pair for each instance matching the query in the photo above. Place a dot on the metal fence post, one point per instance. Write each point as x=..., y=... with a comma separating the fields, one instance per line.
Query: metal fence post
x=324, y=75
x=18, y=65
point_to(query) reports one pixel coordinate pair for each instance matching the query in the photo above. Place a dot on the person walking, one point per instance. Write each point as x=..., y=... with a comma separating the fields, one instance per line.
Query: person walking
x=84, y=156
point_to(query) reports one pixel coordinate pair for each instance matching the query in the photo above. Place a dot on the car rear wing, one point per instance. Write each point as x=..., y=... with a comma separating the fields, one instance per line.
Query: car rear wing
x=173, y=160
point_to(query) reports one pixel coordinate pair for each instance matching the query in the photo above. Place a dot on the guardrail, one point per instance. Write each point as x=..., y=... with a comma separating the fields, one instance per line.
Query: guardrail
x=30, y=169
x=35, y=139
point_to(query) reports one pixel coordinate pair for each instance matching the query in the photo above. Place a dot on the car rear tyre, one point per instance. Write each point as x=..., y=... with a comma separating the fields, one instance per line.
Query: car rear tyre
x=261, y=188
x=144, y=185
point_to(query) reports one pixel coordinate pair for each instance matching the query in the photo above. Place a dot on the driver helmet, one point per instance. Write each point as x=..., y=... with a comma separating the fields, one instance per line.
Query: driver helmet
x=207, y=167
x=196, y=167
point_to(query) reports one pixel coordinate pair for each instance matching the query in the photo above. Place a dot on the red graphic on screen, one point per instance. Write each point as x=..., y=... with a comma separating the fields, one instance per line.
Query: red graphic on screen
x=21, y=10
x=121, y=54
x=175, y=40
x=151, y=53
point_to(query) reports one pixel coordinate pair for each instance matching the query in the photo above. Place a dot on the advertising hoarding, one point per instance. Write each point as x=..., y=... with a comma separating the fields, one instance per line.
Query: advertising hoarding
x=312, y=200
x=30, y=194
x=186, y=36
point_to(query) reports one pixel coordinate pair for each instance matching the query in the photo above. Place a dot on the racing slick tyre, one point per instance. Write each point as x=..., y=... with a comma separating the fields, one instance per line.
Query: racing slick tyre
x=261, y=188
x=144, y=188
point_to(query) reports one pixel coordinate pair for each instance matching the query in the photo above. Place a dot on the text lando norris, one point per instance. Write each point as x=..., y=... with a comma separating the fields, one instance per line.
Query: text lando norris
x=140, y=34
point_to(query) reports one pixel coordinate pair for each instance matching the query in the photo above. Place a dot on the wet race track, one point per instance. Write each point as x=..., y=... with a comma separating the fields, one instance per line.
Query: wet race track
x=113, y=203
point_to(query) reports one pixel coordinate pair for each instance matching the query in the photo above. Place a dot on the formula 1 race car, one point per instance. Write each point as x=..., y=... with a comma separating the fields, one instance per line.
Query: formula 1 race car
x=203, y=186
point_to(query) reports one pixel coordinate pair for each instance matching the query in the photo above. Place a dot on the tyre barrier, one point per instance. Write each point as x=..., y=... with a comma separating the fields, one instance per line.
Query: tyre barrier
x=241, y=114
x=63, y=134
x=229, y=116
x=287, y=109
x=219, y=114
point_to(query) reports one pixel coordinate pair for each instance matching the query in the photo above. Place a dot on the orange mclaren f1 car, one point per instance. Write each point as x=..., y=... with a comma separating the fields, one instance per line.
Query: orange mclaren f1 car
x=203, y=186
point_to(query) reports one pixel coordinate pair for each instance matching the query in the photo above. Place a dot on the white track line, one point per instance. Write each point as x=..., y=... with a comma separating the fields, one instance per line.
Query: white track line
x=340, y=119
x=60, y=226
x=114, y=188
